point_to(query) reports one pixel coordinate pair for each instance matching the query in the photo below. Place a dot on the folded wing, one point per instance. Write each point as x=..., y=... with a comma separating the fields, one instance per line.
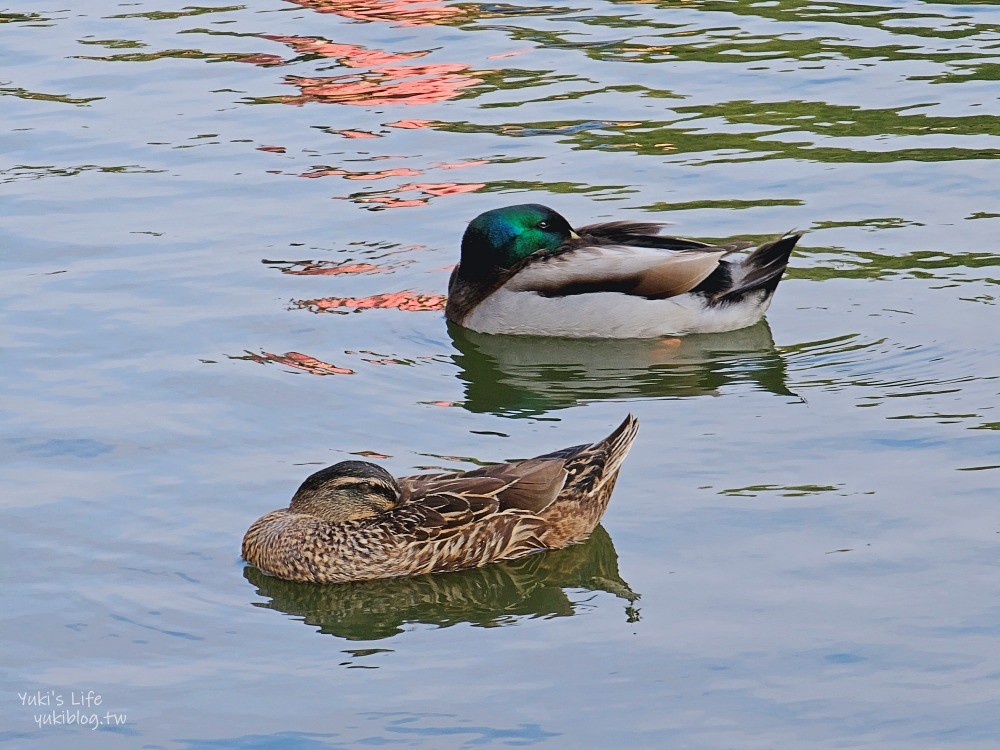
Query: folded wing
x=627, y=269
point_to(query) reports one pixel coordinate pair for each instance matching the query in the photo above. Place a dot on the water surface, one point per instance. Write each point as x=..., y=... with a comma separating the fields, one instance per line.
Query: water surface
x=226, y=235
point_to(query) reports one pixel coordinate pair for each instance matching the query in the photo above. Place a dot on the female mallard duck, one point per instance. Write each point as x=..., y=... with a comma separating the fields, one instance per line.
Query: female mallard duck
x=353, y=522
x=524, y=270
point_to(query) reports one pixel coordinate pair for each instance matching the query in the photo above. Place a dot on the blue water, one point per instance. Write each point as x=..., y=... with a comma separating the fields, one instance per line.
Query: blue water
x=225, y=233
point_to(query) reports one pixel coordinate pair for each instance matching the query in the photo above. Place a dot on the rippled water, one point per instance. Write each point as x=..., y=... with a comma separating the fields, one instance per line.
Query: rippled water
x=802, y=549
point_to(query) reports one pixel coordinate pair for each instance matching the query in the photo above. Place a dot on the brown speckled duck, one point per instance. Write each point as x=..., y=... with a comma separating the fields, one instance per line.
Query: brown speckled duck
x=353, y=521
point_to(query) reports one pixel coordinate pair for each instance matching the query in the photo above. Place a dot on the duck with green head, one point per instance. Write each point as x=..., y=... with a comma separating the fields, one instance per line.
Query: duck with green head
x=525, y=270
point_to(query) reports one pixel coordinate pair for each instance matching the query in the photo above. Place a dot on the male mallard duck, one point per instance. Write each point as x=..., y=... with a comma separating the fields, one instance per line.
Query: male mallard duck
x=524, y=270
x=353, y=522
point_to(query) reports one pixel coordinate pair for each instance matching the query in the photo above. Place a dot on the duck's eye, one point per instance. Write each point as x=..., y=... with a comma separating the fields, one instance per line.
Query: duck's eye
x=542, y=225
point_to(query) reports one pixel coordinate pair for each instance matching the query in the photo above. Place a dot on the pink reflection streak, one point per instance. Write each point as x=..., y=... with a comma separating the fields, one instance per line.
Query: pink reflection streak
x=384, y=82
x=300, y=362
x=410, y=124
x=430, y=189
x=349, y=54
x=318, y=269
x=464, y=164
x=512, y=53
x=422, y=84
x=407, y=300
x=399, y=172
x=355, y=134
x=387, y=201
x=402, y=12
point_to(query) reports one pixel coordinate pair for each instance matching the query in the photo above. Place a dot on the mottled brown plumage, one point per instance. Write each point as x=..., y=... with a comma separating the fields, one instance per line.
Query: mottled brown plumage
x=343, y=525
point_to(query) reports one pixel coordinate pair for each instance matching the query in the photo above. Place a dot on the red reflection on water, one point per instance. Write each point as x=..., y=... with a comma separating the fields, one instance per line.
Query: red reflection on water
x=406, y=300
x=262, y=59
x=272, y=149
x=321, y=268
x=464, y=164
x=347, y=175
x=409, y=124
x=448, y=188
x=350, y=55
x=388, y=199
x=421, y=84
x=385, y=80
x=402, y=12
x=512, y=53
x=300, y=362
x=355, y=134
x=370, y=454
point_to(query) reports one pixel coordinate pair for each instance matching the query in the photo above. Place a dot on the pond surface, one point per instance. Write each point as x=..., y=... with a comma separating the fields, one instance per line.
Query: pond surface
x=226, y=232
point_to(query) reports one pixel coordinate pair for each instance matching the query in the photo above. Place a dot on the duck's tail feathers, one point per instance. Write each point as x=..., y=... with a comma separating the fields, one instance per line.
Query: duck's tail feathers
x=592, y=472
x=589, y=463
x=763, y=268
x=618, y=443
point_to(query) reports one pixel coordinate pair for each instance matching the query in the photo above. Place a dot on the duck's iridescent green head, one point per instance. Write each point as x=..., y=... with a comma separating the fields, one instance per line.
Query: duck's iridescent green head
x=501, y=238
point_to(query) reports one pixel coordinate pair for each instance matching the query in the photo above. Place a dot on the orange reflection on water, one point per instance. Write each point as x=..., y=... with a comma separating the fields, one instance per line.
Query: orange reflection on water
x=388, y=198
x=409, y=124
x=262, y=59
x=447, y=188
x=387, y=201
x=464, y=164
x=422, y=84
x=325, y=268
x=350, y=55
x=386, y=80
x=512, y=53
x=402, y=12
x=370, y=454
x=347, y=175
x=355, y=134
x=406, y=300
x=300, y=362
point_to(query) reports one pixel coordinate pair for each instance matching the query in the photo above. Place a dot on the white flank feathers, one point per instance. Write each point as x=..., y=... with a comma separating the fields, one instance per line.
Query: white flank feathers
x=610, y=314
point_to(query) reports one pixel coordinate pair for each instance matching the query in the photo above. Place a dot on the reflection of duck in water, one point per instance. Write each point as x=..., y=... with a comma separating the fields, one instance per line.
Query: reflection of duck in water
x=533, y=586
x=529, y=375
x=525, y=271
x=354, y=522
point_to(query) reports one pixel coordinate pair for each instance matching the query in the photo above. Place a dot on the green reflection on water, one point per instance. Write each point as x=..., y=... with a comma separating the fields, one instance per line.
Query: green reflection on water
x=921, y=264
x=839, y=13
x=171, y=54
x=498, y=594
x=114, y=43
x=38, y=172
x=522, y=376
x=163, y=15
x=805, y=125
x=20, y=17
x=22, y=93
